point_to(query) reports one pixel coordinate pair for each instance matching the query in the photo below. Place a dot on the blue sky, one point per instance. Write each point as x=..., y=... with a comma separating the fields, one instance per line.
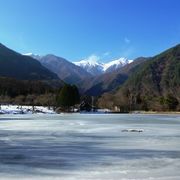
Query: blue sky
x=77, y=29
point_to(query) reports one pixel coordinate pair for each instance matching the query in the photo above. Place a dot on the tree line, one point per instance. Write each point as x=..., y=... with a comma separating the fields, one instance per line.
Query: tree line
x=13, y=91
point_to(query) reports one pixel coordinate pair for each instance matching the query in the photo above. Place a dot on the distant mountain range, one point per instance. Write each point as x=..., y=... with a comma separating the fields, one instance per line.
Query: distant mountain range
x=27, y=67
x=67, y=71
x=78, y=72
x=97, y=68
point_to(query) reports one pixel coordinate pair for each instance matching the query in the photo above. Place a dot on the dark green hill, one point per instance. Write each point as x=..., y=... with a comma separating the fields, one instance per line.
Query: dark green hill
x=15, y=65
x=155, y=85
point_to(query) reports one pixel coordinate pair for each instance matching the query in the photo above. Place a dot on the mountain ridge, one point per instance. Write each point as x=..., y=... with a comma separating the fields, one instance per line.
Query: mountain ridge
x=67, y=71
x=97, y=68
x=16, y=65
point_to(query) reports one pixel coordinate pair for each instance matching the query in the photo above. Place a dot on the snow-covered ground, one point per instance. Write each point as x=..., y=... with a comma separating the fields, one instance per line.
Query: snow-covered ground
x=15, y=109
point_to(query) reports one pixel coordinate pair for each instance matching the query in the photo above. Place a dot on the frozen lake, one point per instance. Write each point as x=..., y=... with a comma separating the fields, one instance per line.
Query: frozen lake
x=84, y=147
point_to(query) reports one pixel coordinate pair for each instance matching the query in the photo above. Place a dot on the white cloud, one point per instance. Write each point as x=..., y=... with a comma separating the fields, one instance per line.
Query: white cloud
x=127, y=40
x=106, y=54
x=93, y=58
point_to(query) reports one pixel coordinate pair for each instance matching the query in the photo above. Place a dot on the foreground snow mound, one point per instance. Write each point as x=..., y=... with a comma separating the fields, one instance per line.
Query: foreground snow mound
x=15, y=109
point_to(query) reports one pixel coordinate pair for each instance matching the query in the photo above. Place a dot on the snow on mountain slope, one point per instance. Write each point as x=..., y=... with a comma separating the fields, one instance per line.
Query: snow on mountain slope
x=92, y=64
x=95, y=68
x=113, y=65
x=35, y=56
x=66, y=70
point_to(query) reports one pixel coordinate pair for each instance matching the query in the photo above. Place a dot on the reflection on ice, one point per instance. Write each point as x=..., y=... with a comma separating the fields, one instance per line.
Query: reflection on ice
x=89, y=147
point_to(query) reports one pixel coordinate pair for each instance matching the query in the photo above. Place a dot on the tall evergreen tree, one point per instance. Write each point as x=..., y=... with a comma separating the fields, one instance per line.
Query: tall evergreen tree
x=68, y=96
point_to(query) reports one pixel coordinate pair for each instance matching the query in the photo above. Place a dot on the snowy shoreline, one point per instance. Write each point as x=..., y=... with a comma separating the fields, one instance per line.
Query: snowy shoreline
x=17, y=109
x=24, y=109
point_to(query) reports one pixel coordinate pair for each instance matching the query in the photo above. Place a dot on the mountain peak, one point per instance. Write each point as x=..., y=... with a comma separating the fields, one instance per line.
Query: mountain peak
x=115, y=64
x=16, y=65
x=34, y=56
x=28, y=54
x=93, y=66
x=90, y=61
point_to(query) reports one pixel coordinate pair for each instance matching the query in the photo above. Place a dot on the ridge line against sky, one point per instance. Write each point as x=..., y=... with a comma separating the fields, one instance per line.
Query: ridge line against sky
x=78, y=29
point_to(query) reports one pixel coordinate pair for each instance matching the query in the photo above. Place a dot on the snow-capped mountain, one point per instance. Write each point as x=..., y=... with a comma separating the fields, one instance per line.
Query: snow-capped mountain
x=96, y=68
x=113, y=65
x=92, y=67
x=66, y=70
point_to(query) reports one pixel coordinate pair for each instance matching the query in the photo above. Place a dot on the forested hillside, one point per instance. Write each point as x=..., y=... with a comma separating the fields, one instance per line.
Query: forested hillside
x=155, y=85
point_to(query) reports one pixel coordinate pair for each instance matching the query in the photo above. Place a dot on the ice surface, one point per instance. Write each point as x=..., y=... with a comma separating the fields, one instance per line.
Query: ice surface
x=88, y=147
